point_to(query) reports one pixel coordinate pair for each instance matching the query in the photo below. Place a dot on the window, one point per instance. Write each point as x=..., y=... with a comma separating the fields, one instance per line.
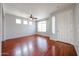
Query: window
x=25, y=22
x=18, y=21
x=53, y=24
x=30, y=22
x=42, y=26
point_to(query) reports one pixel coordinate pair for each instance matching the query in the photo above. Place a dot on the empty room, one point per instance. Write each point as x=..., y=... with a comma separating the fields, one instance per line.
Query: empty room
x=39, y=29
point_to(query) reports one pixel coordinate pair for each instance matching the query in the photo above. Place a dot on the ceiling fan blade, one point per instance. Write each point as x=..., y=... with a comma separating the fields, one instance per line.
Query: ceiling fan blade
x=35, y=18
x=31, y=16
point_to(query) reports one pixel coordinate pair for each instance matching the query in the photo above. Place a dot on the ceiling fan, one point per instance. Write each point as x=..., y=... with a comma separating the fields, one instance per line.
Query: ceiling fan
x=32, y=17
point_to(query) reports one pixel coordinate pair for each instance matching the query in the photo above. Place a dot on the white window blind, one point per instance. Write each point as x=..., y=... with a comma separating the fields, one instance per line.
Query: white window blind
x=30, y=22
x=18, y=21
x=25, y=22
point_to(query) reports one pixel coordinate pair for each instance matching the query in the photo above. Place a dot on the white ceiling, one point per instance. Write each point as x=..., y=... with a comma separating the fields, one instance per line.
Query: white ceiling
x=39, y=10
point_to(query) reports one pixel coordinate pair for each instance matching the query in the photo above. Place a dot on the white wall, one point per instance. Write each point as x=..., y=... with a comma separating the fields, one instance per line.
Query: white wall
x=0, y=27
x=13, y=30
x=76, y=20
x=64, y=26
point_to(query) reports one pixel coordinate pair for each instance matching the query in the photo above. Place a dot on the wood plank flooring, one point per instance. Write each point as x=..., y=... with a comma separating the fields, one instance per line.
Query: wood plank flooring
x=36, y=45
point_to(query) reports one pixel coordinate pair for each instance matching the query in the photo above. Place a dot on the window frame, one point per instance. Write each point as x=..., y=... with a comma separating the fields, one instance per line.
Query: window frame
x=18, y=21
x=25, y=23
x=53, y=24
x=30, y=22
x=41, y=25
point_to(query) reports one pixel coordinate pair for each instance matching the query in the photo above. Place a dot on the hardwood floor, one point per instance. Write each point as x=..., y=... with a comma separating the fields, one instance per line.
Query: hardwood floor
x=36, y=45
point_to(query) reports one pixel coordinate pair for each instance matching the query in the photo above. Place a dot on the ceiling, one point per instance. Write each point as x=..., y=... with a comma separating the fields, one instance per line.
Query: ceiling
x=39, y=10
